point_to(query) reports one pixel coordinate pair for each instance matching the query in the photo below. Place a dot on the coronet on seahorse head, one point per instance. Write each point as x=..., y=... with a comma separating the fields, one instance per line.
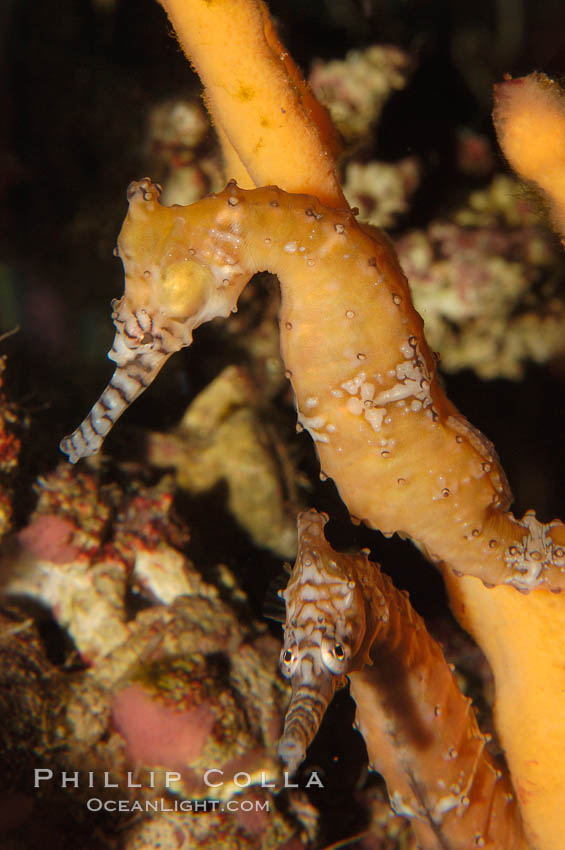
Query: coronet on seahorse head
x=323, y=635
x=171, y=288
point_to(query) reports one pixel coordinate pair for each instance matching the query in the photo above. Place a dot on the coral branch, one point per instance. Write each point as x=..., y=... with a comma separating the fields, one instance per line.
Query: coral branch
x=267, y=114
x=529, y=117
x=345, y=617
x=523, y=639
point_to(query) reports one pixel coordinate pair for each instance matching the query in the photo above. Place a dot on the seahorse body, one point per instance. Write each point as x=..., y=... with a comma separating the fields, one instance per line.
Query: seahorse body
x=404, y=459
x=345, y=617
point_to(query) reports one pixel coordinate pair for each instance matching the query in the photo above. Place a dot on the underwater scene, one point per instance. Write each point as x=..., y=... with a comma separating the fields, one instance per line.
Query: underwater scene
x=286, y=572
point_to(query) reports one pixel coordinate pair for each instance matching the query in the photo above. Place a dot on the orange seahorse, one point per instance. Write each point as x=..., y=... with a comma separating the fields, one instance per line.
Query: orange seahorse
x=344, y=618
x=369, y=396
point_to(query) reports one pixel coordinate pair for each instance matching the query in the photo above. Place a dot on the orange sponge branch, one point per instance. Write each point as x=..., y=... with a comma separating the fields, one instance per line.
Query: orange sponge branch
x=271, y=121
x=529, y=117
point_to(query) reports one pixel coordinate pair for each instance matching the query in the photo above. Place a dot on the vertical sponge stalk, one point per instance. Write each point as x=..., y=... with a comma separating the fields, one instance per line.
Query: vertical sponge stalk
x=267, y=116
x=529, y=117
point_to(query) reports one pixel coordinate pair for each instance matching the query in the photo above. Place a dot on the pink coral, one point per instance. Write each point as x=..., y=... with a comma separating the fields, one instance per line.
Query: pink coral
x=156, y=733
x=49, y=537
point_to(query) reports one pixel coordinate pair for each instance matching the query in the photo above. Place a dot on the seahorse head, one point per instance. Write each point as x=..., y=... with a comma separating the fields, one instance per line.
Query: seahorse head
x=171, y=288
x=164, y=274
x=324, y=631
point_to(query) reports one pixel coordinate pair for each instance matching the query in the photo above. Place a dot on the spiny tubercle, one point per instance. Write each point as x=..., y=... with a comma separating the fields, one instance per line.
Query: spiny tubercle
x=403, y=458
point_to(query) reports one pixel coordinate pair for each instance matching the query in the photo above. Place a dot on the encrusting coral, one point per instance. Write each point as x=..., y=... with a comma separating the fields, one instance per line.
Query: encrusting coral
x=158, y=696
x=401, y=455
x=487, y=291
x=380, y=190
x=10, y=446
x=64, y=560
x=177, y=130
x=145, y=723
x=356, y=88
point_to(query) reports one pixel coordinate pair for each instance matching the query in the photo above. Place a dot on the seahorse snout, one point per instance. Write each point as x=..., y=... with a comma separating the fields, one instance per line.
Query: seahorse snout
x=311, y=695
x=142, y=345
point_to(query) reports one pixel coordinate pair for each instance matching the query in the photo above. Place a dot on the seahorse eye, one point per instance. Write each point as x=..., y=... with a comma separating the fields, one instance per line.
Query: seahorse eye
x=288, y=661
x=334, y=655
x=184, y=289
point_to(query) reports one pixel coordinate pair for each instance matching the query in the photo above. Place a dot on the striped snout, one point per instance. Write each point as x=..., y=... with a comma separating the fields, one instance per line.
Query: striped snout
x=126, y=384
x=313, y=688
x=303, y=718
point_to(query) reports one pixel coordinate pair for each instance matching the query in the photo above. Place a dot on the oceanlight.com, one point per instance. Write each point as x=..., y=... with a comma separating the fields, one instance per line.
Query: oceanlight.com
x=95, y=804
